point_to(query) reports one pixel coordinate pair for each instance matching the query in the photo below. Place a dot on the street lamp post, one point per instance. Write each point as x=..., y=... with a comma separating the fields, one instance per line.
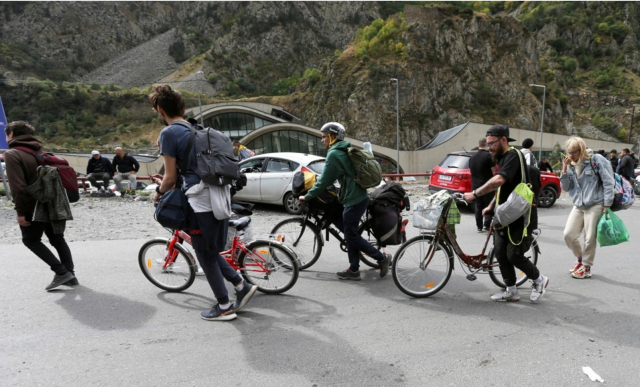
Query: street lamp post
x=397, y=127
x=199, y=91
x=544, y=94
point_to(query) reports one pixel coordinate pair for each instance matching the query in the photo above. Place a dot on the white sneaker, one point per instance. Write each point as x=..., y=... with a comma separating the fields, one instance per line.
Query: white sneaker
x=506, y=296
x=538, y=289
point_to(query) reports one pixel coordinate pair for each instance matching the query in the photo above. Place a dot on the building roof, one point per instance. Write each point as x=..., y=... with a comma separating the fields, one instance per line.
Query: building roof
x=443, y=137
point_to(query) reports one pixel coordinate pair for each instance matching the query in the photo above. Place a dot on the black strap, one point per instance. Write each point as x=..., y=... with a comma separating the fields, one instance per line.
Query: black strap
x=185, y=158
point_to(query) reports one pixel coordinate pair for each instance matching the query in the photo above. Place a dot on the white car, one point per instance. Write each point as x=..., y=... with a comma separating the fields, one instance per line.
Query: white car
x=269, y=177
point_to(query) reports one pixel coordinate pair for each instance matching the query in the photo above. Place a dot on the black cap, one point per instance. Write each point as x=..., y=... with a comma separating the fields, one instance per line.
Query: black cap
x=499, y=131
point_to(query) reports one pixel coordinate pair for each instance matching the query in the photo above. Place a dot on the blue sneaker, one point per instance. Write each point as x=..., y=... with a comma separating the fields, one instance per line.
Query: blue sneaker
x=243, y=296
x=217, y=314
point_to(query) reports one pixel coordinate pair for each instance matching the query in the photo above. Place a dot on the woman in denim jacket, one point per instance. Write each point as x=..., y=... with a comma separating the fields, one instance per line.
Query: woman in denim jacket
x=590, y=183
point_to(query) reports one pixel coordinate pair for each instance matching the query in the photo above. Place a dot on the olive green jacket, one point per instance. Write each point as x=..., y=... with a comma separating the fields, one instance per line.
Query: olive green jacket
x=338, y=166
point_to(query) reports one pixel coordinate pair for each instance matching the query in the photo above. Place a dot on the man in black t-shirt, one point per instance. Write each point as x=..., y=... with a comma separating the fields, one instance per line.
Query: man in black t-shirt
x=480, y=165
x=508, y=253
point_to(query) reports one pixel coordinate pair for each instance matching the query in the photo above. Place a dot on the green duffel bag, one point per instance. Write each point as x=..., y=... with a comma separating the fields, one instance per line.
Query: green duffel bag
x=611, y=230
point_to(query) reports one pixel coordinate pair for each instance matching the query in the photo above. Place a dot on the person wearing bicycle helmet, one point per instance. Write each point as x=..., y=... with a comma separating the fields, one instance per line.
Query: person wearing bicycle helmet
x=353, y=197
x=510, y=242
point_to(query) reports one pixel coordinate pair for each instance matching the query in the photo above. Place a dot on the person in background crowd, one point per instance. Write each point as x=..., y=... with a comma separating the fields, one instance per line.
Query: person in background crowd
x=508, y=253
x=591, y=192
x=614, y=159
x=22, y=167
x=529, y=158
x=242, y=151
x=626, y=165
x=126, y=167
x=354, y=198
x=544, y=165
x=99, y=167
x=480, y=165
x=211, y=205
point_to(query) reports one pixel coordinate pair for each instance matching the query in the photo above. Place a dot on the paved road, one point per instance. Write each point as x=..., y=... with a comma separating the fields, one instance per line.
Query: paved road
x=117, y=329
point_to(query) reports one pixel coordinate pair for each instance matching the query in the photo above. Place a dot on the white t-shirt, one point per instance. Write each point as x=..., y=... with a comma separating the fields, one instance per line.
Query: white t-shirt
x=204, y=197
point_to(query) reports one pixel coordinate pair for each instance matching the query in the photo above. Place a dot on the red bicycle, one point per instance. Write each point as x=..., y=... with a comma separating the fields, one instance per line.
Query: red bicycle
x=268, y=264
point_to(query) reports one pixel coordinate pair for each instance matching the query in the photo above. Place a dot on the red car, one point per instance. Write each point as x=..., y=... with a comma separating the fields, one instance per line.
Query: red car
x=453, y=175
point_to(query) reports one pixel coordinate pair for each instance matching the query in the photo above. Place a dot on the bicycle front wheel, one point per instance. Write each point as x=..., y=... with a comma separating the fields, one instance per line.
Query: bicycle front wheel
x=309, y=246
x=415, y=274
x=521, y=278
x=270, y=266
x=173, y=277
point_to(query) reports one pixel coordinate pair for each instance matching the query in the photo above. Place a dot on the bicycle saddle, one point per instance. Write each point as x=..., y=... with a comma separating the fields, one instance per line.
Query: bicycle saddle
x=240, y=224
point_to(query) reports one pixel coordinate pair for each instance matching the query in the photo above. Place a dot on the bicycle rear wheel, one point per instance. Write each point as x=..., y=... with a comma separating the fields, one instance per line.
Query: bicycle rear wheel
x=175, y=277
x=521, y=278
x=309, y=247
x=411, y=275
x=270, y=266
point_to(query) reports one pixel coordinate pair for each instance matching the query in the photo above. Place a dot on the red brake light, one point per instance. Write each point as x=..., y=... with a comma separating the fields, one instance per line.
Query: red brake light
x=305, y=169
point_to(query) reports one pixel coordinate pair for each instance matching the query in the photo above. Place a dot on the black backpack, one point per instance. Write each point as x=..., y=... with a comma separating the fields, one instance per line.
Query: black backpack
x=216, y=162
x=384, y=213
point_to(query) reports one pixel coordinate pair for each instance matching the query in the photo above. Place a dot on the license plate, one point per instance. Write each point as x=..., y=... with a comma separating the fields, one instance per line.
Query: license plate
x=444, y=177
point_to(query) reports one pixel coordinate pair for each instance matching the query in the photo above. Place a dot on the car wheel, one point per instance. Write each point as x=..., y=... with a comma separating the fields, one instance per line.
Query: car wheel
x=547, y=197
x=292, y=204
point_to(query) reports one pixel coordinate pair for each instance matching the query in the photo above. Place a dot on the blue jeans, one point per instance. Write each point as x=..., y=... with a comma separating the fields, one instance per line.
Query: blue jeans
x=208, y=246
x=355, y=243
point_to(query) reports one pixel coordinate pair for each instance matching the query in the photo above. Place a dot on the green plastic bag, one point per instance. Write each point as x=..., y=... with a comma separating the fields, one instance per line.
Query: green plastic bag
x=611, y=230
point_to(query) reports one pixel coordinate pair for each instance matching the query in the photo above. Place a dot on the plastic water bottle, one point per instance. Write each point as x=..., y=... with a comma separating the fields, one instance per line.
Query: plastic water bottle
x=367, y=146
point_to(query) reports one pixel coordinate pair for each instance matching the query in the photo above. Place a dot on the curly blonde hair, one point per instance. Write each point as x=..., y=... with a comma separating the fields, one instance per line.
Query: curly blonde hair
x=576, y=143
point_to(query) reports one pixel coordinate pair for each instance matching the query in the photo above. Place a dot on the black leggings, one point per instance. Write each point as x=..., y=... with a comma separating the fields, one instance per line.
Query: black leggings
x=510, y=255
x=32, y=238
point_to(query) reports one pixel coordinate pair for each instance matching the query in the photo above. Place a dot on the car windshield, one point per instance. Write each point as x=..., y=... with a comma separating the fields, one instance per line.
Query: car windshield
x=317, y=166
x=455, y=161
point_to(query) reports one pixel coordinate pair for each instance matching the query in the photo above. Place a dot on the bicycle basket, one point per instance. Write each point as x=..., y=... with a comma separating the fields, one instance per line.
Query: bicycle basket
x=427, y=212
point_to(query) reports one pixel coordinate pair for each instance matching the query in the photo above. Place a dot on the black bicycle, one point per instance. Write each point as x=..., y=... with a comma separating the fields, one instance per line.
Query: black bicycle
x=303, y=235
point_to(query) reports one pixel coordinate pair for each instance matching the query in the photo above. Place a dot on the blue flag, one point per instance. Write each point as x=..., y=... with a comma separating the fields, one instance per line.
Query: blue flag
x=3, y=123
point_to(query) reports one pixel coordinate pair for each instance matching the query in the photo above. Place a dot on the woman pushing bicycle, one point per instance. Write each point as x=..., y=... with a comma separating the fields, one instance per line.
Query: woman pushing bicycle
x=352, y=196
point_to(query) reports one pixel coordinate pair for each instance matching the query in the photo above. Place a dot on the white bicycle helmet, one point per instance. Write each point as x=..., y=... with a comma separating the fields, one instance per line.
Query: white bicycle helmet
x=335, y=129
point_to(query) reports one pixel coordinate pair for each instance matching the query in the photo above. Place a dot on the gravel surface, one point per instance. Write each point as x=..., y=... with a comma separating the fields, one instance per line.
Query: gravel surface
x=119, y=218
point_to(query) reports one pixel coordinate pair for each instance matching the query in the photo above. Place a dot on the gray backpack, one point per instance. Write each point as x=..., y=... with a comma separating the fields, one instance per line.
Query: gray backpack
x=217, y=165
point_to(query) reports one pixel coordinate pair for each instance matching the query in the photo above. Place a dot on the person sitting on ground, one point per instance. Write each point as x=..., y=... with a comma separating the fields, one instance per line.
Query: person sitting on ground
x=242, y=151
x=355, y=199
x=544, y=165
x=529, y=158
x=126, y=167
x=99, y=167
x=22, y=167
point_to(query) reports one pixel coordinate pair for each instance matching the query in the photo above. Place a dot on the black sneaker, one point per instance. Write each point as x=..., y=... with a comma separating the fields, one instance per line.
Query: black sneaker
x=384, y=265
x=60, y=280
x=243, y=296
x=217, y=314
x=72, y=282
x=480, y=230
x=349, y=275
x=123, y=193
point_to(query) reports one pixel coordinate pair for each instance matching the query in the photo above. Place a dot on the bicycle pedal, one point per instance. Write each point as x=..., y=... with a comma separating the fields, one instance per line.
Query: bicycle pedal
x=472, y=277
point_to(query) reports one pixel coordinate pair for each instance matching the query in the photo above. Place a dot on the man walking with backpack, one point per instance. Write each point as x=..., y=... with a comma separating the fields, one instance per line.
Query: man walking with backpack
x=22, y=167
x=211, y=205
x=480, y=165
x=354, y=198
x=510, y=244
